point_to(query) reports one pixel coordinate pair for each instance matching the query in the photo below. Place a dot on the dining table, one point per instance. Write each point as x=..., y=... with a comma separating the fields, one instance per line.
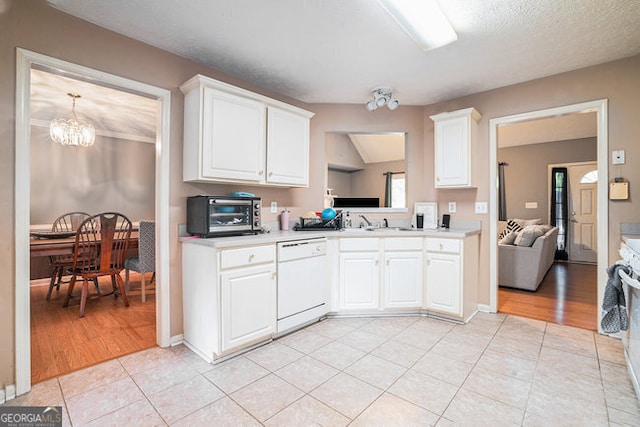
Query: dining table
x=43, y=246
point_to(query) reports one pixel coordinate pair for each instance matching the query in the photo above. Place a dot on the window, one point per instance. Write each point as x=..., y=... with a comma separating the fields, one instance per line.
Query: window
x=398, y=191
x=559, y=209
x=590, y=177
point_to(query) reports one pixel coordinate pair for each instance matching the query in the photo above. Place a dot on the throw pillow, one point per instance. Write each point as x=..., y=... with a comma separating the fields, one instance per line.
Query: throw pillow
x=509, y=239
x=528, y=235
x=512, y=225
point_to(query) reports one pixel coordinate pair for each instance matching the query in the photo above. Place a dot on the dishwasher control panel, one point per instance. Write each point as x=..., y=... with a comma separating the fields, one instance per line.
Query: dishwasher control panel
x=299, y=249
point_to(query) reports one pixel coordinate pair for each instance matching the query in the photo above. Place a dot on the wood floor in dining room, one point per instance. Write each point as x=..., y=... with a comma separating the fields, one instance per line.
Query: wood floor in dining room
x=62, y=342
x=568, y=295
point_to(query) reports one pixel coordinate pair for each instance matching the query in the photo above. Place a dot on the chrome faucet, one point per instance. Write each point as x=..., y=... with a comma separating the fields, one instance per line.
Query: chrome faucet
x=366, y=220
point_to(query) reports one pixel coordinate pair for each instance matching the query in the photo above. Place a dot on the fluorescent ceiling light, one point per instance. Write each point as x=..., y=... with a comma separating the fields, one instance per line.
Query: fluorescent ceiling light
x=423, y=20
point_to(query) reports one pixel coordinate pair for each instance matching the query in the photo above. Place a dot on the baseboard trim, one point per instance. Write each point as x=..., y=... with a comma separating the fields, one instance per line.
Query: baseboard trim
x=176, y=340
x=485, y=308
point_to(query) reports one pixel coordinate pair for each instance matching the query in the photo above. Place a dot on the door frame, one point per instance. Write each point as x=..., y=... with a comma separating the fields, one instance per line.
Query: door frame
x=25, y=59
x=600, y=107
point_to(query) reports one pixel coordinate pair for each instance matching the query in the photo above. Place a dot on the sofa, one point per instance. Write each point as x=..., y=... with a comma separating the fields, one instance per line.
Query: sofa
x=523, y=266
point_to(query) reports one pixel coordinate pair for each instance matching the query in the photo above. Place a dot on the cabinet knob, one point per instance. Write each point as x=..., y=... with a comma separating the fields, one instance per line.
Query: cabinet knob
x=251, y=257
x=270, y=173
x=261, y=173
x=441, y=246
x=388, y=262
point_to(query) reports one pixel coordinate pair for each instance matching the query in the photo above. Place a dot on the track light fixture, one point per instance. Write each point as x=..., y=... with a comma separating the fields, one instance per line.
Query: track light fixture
x=382, y=96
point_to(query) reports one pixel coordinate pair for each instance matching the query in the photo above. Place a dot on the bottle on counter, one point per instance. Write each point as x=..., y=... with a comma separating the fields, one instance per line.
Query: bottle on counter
x=284, y=219
x=347, y=221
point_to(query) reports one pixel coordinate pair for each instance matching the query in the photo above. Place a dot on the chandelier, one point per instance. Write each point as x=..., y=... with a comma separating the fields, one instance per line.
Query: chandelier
x=74, y=132
x=381, y=97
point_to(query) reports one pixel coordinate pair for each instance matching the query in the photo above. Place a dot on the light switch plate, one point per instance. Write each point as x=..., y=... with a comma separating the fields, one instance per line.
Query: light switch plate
x=481, y=207
x=452, y=207
x=274, y=207
x=617, y=157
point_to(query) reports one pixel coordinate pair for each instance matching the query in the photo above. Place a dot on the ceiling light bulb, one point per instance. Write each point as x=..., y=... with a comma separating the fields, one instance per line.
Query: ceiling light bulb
x=371, y=105
x=380, y=101
x=393, y=104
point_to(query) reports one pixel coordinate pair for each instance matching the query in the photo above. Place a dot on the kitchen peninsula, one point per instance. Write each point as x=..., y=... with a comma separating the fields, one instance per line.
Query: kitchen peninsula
x=231, y=283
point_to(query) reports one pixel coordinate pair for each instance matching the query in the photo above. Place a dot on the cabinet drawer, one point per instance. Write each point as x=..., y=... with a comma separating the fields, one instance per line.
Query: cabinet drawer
x=360, y=244
x=403, y=244
x=443, y=245
x=253, y=255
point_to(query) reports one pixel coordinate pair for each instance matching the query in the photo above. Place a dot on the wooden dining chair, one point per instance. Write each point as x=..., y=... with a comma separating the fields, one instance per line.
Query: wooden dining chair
x=58, y=263
x=145, y=262
x=101, y=245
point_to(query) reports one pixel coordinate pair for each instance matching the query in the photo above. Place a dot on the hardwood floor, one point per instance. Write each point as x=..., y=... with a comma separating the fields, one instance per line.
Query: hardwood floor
x=62, y=342
x=567, y=295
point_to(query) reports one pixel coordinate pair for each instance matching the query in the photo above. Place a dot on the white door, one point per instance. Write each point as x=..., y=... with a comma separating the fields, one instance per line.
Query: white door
x=443, y=283
x=233, y=137
x=583, y=218
x=287, y=148
x=248, y=305
x=403, y=279
x=359, y=280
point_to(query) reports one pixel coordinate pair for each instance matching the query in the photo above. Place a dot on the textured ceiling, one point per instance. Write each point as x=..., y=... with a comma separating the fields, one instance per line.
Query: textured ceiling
x=335, y=51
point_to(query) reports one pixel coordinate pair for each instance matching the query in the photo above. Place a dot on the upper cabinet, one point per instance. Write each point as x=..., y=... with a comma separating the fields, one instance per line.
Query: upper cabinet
x=233, y=135
x=454, y=135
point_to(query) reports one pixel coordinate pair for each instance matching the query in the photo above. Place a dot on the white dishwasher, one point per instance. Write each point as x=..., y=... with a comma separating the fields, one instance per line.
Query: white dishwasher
x=303, y=285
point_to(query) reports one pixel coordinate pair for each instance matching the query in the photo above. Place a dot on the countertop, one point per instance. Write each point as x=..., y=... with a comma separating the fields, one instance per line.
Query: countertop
x=283, y=236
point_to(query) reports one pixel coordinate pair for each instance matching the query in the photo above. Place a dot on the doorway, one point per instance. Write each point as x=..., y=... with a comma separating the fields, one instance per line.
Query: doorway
x=600, y=108
x=24, y=63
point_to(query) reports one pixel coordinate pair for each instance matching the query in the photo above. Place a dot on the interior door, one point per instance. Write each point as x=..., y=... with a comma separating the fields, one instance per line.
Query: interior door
x=583, y=217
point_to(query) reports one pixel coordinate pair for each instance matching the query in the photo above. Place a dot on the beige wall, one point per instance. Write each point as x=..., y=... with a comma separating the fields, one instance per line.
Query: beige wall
x=617, y=81
x=526, y=177
x=34, y=26
x=113, y=175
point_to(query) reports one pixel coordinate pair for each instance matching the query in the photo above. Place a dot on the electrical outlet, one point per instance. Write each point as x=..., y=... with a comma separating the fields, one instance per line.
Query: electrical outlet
x=617, y=157
x=274, y=207
x=452, y=207
x=481, y=207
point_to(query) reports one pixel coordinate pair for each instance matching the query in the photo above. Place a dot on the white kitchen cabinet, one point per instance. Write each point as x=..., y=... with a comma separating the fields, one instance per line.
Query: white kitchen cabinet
x=287, y=145
x=237, y=136
x=359, y=265
x=233, y=133
x=229, y=297
x=451, y=276
x=454, y=134
x=403, y=267
x=248, y=305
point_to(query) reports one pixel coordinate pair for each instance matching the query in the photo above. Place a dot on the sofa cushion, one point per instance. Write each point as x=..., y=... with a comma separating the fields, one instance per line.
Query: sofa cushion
x=529, y=234
x=525, y=222
x=509, y=239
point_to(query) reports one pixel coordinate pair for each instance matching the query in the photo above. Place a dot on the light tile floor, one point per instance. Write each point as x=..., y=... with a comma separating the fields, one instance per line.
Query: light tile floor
x=396, y=371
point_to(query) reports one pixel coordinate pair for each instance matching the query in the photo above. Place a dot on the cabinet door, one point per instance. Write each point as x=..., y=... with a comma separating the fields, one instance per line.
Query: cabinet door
x=248, y=305
x=287, y=148
x=233, y=137
x=403, y=279
x=452, y=168
x=359, y=280
x=444, y=287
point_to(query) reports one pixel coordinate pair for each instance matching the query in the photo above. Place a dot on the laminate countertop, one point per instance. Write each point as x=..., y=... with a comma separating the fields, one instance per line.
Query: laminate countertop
x=283, y=236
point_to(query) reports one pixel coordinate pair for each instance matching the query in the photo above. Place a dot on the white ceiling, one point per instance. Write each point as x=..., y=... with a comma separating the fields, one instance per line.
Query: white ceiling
x=335, y=51
x=379, y=147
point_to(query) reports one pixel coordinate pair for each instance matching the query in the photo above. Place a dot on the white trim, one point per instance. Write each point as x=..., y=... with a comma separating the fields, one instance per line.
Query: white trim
x=24, y=60
x=601, y=108
x=177, y=340
x=484, y=308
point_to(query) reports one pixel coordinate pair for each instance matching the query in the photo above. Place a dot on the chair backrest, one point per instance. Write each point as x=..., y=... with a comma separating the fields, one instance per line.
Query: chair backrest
x=69, y=221
x=147, y=246
x=101, y=243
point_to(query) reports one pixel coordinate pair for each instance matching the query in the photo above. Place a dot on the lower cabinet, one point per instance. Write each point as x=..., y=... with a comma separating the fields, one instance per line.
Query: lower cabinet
x=359, y=280
x=229, y=297
x=443, y=278
x=366, y=283
x=451, y=276
x=248, y=305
